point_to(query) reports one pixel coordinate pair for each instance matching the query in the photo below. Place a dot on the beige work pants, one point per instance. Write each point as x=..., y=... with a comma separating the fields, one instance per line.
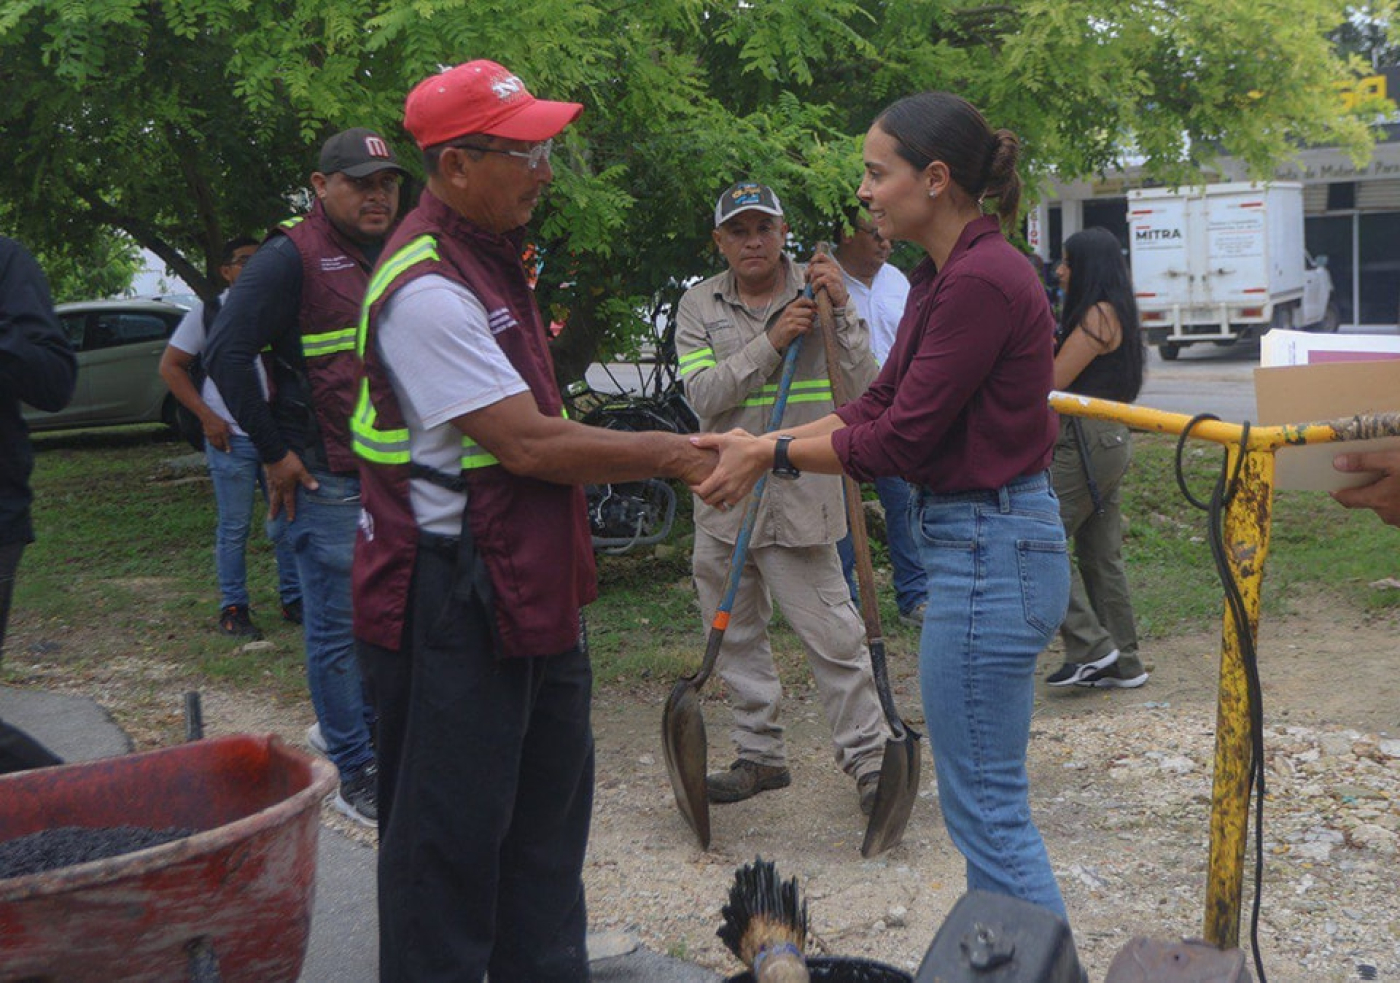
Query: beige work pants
x=808, y=586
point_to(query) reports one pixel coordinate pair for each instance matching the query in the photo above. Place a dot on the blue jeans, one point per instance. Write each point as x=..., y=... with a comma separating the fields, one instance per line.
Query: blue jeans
x=998, y=586
x=322, y=536
x=235, y=474
x=909, y=592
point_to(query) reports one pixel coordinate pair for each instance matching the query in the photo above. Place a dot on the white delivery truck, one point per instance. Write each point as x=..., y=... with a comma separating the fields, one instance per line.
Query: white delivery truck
x=1223, y=262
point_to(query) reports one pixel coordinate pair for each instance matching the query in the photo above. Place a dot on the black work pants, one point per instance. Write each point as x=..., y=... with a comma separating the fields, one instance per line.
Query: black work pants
x=10, y=554
x=18, y=751
x=485, y=796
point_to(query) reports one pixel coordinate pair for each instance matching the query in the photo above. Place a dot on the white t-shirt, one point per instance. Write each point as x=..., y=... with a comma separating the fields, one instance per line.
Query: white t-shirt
x=443, y=361
x=881, y=305
x=189, y=337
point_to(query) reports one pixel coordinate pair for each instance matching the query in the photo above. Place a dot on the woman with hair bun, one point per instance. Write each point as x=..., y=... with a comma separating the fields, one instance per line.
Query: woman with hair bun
x=1098, y=353
x=959, y=410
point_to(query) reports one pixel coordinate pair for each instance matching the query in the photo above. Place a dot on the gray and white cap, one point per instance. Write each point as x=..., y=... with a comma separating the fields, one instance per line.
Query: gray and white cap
x=746, y=196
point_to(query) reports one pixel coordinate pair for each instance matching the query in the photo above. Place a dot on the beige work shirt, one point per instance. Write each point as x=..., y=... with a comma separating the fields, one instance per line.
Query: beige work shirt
x=731, y=373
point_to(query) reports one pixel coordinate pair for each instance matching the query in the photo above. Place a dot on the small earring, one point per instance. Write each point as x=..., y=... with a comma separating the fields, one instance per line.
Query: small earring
x=933, y=193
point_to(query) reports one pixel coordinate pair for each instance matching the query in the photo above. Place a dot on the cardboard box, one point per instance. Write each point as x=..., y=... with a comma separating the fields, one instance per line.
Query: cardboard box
x=1311, y=378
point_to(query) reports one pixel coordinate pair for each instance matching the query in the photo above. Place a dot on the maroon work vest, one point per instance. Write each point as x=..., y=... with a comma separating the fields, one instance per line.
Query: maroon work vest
x=334, y=275
x=532, y=535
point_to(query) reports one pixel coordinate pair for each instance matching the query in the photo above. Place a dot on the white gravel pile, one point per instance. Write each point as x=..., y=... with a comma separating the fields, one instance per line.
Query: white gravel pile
x=1122, y=797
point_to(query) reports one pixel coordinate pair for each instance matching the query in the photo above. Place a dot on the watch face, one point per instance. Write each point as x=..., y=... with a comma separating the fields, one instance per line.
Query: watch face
x=788, y=474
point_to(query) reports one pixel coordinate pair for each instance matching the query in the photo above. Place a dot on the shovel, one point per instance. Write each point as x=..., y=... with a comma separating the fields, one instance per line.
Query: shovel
x=899, y=770
x=682, y=724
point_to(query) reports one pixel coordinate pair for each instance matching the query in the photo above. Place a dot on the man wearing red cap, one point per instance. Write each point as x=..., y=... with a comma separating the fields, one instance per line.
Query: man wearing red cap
x=474, y=557
x=299, y=296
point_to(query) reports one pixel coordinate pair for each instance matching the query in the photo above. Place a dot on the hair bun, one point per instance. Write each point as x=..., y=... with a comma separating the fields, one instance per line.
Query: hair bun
x=1003, y=182
x=1006, y=152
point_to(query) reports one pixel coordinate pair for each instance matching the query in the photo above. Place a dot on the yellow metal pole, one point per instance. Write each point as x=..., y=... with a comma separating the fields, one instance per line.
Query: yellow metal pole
x=1245, y=532
x=1246, y=537
x=1246, y=527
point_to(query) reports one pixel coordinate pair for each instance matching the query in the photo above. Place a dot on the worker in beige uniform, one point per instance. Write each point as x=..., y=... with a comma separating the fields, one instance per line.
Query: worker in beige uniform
x=732, y=332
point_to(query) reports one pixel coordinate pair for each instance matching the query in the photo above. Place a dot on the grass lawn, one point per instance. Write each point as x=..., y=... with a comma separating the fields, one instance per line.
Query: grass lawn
x=125, y=546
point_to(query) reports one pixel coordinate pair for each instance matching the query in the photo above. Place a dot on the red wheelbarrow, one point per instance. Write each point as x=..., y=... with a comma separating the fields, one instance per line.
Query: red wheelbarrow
x=230, y=902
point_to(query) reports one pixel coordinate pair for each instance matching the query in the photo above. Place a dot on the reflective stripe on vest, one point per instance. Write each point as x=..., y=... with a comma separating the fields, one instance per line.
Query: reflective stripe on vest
x=392, y=446
x=330, y=343
x=812, y=391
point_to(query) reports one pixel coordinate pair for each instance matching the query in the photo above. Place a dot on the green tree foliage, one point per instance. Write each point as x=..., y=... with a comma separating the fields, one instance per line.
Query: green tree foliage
x=182, y=122
x=1371, y=31
x=101, y=267
x=83, y=267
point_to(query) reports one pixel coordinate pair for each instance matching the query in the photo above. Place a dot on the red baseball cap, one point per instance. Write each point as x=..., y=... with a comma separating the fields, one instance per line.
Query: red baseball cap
x=481, y=97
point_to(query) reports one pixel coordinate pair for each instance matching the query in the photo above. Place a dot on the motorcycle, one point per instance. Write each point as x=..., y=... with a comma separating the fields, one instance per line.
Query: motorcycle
x=625, y=515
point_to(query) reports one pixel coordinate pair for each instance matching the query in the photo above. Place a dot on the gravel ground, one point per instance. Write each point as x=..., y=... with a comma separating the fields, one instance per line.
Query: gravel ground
x=1123, y=799
x=1120, y=788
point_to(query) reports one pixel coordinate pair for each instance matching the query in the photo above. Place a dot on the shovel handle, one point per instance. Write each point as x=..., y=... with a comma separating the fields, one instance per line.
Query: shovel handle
x=855, y=520
x=741, y=545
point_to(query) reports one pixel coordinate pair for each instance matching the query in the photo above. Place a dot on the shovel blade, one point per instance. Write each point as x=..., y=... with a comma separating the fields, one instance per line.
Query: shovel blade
x=687, y=756
x=894, y=799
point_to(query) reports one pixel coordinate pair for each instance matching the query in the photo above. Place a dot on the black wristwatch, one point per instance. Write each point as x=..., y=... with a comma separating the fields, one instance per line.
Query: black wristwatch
x=782, y=467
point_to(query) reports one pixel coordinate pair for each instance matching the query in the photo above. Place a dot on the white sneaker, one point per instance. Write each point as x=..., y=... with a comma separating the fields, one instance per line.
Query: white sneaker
x=1111, y=678
x=314, y=738
x=1082, y=673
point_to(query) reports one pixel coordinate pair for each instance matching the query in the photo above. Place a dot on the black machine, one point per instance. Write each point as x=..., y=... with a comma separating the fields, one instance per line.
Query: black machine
x=994, y=938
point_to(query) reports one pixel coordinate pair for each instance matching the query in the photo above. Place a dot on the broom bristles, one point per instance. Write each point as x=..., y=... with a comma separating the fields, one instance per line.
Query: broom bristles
x=763, y=913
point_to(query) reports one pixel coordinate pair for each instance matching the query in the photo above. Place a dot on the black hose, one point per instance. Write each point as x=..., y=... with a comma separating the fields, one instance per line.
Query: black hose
x=1220, y=497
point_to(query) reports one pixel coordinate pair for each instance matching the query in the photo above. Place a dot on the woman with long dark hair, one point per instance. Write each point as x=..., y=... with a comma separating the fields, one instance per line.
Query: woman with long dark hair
x=1098, y=352
x=959, y=410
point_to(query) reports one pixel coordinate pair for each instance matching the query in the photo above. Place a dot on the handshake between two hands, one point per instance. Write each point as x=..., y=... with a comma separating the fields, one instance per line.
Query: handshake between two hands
x=722, y=468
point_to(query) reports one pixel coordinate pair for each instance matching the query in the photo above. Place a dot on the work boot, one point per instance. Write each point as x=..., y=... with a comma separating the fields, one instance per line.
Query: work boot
x=234, y=620
x=868, y=785
x=744, y=780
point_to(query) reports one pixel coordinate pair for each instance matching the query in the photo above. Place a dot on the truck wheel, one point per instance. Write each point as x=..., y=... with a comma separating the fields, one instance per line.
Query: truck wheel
x=1330, y=321
x=1169, y=350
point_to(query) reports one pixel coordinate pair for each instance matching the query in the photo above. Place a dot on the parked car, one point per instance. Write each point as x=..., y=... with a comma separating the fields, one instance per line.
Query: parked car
x=119, y=344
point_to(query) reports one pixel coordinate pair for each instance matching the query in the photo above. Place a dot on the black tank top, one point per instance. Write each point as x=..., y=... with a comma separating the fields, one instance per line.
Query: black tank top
x=1108, y=376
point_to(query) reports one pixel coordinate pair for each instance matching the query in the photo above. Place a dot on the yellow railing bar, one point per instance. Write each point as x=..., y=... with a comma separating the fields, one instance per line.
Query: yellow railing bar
x=1246, y=526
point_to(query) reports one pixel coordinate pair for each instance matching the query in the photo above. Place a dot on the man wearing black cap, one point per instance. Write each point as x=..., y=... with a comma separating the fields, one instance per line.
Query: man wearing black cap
x=299, y=296
x=474, y=557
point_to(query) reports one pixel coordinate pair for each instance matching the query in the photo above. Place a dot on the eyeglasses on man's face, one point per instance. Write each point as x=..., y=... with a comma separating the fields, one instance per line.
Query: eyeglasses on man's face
x=871, y=231
x=533, y=158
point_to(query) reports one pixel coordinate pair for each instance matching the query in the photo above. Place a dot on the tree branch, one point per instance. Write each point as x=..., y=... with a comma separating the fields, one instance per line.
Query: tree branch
x=205, y=207
x=148, y=236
